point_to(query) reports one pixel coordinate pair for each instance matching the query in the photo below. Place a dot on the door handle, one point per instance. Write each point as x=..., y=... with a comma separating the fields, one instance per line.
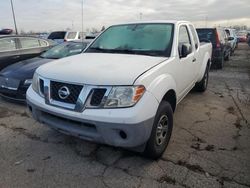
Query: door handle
x=194, y=59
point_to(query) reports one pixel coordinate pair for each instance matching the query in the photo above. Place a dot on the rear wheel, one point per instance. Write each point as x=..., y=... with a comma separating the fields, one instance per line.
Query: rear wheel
x=161, y=131
x=228, y=56
x=220, y=63
x=202, y=85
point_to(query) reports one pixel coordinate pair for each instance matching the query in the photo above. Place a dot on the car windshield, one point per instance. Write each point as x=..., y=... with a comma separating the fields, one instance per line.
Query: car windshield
x=143, y=39
x=64, y=50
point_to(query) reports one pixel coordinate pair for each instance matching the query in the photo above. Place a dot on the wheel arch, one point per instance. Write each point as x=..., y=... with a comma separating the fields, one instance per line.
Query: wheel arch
x=164, y=88
x=170, y=97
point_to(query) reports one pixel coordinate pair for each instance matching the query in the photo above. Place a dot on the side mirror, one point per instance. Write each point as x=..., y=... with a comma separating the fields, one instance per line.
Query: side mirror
x=184, y=50
x=230, y=38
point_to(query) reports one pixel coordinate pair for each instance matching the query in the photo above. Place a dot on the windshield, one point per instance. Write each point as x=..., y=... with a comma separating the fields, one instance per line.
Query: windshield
x=64, y=50
x=143, y=39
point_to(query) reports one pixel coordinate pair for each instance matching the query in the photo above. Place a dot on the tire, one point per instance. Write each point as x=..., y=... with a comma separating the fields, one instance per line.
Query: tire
x=161, y=131
x=232, y=51
x=227, y=57
x=202, y=85
x=220, y=64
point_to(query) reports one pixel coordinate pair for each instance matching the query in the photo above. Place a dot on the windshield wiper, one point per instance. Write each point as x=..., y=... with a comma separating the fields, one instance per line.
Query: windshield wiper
x=97, y=49
x=125, y=51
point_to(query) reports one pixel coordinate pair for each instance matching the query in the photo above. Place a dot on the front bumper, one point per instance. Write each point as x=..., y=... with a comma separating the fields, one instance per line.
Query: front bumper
x=127, y=127
x=18, y=95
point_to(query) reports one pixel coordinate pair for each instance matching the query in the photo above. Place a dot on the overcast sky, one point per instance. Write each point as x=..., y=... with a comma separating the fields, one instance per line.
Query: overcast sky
x=48, y=15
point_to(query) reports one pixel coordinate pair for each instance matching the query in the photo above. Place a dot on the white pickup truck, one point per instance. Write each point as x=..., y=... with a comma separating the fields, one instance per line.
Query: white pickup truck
x=123, y=90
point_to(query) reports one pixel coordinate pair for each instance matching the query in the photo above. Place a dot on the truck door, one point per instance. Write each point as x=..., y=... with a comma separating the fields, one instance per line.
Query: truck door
x=186, y=80
x=197, y=53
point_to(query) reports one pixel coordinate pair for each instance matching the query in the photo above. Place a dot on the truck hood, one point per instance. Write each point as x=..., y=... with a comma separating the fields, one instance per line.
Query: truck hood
x=99, y=68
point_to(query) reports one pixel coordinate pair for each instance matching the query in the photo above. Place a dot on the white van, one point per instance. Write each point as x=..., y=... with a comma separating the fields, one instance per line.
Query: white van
x=63, y=36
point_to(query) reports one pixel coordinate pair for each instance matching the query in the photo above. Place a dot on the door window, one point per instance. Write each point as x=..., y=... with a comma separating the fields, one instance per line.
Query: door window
x=196, y=40
x=29, y=43
x=7, y=44
x=184, y=37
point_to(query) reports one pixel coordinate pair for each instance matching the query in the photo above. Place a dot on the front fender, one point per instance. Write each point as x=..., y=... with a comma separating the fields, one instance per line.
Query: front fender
x=161, y=85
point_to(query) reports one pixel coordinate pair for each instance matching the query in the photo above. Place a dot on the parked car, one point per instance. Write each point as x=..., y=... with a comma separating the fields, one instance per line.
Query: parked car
x=63, y=36
x=242, y=36
x=17, y=48
x=123, y=89
x=15, y=79
x=232, y=38
x=220, y=42
x=6, y=31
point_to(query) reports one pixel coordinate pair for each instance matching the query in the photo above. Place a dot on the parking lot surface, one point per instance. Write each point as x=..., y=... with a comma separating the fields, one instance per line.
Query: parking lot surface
x=210, y=144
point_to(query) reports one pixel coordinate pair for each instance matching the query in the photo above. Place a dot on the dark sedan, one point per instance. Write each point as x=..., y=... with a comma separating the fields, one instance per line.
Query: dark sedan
x=15, y=79
x=14, y=48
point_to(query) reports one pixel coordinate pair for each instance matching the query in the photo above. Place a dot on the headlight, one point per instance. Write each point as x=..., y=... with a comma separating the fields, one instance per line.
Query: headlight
x=124, y=96
x=28, y=82
x=35, y=84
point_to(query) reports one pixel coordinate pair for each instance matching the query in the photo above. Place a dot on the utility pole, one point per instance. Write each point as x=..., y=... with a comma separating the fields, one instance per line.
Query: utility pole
x=82, y=21
x=14, y=18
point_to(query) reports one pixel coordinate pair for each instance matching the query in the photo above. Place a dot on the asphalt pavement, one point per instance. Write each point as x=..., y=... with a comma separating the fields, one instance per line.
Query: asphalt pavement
x=210, y=144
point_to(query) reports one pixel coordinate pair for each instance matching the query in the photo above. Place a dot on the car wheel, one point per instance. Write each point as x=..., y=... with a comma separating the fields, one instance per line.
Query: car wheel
x=161, y=131
x=232, y=51
x=220, y=64
x=227, y=57
x=202, y=85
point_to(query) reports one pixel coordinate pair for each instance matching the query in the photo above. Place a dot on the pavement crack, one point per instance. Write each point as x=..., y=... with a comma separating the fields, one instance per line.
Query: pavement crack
x=236, y=104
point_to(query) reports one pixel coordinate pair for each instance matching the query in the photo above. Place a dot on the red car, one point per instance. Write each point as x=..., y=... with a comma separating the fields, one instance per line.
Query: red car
x=242, y=36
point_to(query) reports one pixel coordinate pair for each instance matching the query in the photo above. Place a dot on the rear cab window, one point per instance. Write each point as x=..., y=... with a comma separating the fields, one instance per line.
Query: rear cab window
x=57, y=35
x=8, y=44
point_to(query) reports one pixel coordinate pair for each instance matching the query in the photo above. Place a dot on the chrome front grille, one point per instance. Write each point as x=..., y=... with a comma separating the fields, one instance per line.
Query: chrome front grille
x=79, y=96
x=74, y=92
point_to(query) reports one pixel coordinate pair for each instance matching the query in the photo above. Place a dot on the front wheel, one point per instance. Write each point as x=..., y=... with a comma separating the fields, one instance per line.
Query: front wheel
x=161, y=131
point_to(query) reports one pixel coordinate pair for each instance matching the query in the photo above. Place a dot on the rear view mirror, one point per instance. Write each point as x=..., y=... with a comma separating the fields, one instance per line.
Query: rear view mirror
x=185, y=49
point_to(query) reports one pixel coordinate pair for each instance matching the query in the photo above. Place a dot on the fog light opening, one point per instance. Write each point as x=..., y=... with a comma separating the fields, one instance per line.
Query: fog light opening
x=123, y=135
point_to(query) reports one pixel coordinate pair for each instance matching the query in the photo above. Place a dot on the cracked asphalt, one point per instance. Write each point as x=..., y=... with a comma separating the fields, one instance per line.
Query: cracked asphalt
x=210, y=144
